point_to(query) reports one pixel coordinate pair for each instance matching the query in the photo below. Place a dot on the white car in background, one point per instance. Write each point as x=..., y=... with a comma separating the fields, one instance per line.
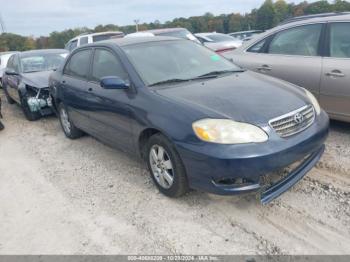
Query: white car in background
x=4, y=57
x=218, y=42
x=178, y=32
x=87, y=38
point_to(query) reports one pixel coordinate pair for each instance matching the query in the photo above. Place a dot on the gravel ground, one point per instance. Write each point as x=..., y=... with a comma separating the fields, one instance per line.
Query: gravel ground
x=81, y=197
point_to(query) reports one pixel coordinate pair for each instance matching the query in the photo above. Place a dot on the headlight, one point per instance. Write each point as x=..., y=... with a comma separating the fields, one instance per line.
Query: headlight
x=314, y=101
x=225, y=131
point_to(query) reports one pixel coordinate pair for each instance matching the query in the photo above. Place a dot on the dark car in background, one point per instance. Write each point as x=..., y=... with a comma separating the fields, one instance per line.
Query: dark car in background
x=310, y=51
x=198, y=120
x=26, y=80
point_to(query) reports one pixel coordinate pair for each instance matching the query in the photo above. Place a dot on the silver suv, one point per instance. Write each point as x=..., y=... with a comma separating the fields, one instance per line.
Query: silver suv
x=309, y=51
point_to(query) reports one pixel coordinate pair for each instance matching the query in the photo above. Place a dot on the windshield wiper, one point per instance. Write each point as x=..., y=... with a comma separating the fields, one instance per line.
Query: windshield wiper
x=169, y=81
x=214, y=74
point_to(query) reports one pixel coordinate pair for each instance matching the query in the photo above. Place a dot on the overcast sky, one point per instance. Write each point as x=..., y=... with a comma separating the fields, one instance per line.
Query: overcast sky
x=40, y=17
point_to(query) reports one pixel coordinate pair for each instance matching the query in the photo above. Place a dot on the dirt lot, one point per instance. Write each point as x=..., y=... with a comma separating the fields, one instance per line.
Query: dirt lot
x=62, y=196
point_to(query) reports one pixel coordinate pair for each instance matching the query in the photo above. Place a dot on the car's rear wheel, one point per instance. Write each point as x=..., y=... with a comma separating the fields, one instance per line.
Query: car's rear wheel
x=8, y=98
x=69, y=129
x=31, y=116
x=166, y=167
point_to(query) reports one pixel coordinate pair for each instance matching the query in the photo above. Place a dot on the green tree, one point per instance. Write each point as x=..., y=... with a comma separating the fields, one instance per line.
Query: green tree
x=282, y=11
x=266, y=15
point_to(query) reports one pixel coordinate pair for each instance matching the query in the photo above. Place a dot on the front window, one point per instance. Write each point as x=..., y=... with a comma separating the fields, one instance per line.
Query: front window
x=165, y=60
x=220, y=37
x=41, y=62
x=302, y=40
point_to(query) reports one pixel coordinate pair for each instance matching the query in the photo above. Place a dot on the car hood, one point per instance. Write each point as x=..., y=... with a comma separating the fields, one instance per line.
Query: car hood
x=244, y=97
x=37, y=79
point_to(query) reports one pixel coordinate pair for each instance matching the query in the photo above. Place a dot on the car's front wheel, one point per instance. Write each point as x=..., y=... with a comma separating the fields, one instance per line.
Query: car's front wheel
x=8, y=98
x=69, y=129
x=166, y=167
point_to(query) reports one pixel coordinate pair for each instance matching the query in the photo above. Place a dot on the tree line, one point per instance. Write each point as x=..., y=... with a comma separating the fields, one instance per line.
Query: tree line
x=268, y=15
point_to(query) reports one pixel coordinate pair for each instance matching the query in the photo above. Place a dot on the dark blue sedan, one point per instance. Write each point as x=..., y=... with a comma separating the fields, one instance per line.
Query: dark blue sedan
x=198, y=120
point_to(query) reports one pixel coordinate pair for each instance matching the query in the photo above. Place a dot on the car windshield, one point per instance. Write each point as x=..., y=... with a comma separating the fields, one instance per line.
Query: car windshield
x=42, y=62
x=220, y=37
x=163, y=61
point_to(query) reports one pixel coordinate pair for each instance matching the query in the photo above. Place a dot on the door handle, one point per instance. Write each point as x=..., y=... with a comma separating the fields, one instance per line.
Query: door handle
x=264, y=68
x=63, y=81
x=335, y=73
x=90, y=89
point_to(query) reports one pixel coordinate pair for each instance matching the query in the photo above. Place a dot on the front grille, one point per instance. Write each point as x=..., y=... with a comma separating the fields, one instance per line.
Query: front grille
x=293, y=122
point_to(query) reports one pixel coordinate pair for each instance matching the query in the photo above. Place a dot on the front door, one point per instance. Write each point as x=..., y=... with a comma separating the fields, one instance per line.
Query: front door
x=335, y=85
x=292, y=55
x=109, y=108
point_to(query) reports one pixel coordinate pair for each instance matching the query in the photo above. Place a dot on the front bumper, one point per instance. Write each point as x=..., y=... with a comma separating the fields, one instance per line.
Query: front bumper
x=207, y=164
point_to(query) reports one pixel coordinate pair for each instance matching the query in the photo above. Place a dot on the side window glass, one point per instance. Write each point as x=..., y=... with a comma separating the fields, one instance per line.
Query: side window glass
x=302, y=40
x=10, y=63
x=257, y=48
x=78, y=65
x=340, y=40
x=15, y=64
x=84, y=40
x=105, y=64
x=73, y=45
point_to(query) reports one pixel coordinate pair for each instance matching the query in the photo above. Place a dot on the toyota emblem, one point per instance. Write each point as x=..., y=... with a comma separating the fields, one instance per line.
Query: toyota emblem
x=298, y=118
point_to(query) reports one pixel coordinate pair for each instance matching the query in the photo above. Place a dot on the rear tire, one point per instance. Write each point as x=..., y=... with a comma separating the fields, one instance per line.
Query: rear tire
x=166, y=167
x=31, y=116
x=69, y=129
x=8, y=98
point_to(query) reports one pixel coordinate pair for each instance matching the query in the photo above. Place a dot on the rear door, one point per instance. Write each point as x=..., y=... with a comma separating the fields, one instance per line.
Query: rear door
x=75, y=89
x=292, y=55
x=335, y=85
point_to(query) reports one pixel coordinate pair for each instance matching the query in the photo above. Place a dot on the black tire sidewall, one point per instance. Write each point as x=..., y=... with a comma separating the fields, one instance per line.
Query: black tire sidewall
x=8, y=98
x=74, y=131
x=180, y=184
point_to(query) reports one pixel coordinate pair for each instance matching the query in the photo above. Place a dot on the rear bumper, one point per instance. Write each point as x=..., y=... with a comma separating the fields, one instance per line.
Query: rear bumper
x=207, y=165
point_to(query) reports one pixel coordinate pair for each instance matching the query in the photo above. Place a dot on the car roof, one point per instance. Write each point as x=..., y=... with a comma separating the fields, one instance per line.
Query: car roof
x=333, y=17
x=208, y=34
x=134, y=40
x=42, y=51
x=95, y=34
x=319, y=17
x=164, y=30
x=244, y=32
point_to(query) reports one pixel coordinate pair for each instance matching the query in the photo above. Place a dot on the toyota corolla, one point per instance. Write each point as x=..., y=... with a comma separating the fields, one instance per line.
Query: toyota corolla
x=199, y=121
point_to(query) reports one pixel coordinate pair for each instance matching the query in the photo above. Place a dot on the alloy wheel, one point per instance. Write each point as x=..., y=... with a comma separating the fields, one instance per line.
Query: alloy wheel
x=162, y=166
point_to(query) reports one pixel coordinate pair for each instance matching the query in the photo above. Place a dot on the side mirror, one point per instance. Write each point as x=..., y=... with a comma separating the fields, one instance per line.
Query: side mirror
x=10, y=72
x=113, y=82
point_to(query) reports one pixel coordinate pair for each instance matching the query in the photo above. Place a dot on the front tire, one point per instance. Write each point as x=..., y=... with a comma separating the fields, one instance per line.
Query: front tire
x=8, y=98
x=69, y=129
x=166, y=167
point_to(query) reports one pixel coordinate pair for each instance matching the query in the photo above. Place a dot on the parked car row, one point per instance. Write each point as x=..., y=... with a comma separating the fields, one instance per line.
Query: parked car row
x=197, y=119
